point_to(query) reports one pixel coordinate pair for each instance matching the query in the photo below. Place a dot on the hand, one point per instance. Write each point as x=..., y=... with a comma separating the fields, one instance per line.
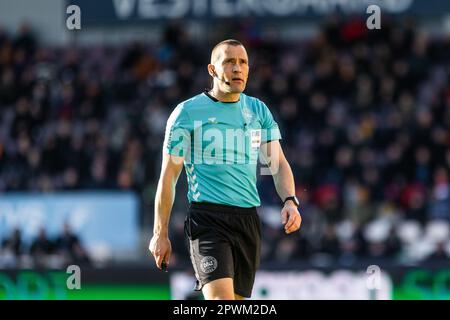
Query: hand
x=290, y=217
x=161, y=249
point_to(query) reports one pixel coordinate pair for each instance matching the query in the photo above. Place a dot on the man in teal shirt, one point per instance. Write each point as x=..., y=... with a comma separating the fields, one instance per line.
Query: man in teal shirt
x=218, y=137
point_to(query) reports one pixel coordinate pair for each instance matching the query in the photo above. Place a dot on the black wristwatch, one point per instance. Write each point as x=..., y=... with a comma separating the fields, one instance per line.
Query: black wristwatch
x=294, y=199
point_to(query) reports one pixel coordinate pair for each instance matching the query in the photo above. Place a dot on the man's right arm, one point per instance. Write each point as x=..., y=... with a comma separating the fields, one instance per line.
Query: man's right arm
x=160, y=245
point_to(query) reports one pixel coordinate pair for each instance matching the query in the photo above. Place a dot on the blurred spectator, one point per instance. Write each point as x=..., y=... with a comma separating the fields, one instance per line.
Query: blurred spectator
x=352, y=244
x=440, y=253
x=285, y=250
x=359, y=208
x=414, y=199
x=330, y=243
x=69, y=246
x=11, y=250
x=41, y=245
x=440, y=201
x=327, y=198
x=393, y=244
x=14, y=243
x=40, y=250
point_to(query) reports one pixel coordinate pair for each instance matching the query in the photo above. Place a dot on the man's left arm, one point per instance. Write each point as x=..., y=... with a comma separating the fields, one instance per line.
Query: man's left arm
x=273, y=156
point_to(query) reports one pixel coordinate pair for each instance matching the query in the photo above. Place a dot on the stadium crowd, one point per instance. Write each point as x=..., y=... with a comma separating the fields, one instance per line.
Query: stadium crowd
x=43, y=251
x=365, y=119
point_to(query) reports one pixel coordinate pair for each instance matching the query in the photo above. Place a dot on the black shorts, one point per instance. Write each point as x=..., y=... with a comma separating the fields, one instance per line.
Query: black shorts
x=224, y=242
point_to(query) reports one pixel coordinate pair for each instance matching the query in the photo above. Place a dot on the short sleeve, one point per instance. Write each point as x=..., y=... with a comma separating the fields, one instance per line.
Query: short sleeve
x=177, y=139
x=269, y=127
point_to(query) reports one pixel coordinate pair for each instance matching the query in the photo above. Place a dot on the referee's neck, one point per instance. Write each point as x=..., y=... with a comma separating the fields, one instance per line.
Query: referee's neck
x=224, y=96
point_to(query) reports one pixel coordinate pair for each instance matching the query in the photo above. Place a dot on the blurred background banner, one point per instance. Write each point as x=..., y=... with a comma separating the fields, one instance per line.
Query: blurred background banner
x=106, y=221
x=132, y=11
x=109, y=283
x=302, y=285
x=142, y=283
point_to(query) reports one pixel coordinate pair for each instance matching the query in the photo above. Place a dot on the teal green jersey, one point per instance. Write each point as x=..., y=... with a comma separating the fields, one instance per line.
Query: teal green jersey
x=220, y=144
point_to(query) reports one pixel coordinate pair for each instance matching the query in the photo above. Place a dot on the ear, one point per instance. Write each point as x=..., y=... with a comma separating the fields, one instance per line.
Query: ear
x=211, y=70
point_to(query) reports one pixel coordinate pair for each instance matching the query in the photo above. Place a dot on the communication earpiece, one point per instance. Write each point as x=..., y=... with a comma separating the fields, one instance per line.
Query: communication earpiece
x=216, y=76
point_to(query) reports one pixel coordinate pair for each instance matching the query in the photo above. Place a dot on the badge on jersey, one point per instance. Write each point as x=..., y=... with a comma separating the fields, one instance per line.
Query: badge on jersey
x=255, y=138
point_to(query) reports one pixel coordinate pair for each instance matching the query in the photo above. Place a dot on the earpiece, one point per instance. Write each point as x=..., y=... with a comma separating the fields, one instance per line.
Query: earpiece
x=216, y=76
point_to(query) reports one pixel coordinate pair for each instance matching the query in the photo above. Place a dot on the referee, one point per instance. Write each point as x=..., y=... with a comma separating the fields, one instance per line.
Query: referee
x=218, y=136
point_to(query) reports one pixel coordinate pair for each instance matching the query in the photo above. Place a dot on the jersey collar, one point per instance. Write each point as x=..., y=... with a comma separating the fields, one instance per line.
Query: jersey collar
x=206, y=92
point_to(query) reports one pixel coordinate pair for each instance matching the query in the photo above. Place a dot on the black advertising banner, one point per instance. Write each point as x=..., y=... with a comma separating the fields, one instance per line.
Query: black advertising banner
x=102, y=12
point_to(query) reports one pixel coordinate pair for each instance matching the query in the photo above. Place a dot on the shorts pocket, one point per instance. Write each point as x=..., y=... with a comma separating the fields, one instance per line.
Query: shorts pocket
x=187, y=227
